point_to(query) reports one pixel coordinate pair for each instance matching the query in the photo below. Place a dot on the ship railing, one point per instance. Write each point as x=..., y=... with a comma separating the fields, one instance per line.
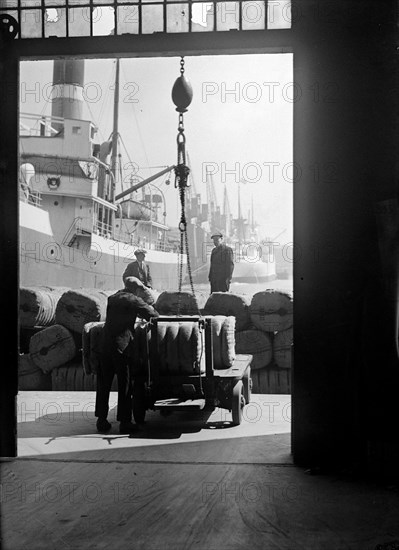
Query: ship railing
x=30, y=197
x=159, y=245
x=124, y=237
x=103, y=229
x=162, y=246
x=40, y=125
x=35, y=198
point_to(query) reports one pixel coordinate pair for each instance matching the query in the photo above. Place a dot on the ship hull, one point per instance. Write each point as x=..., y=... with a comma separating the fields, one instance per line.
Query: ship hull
x=259, y=272
x=99, y=264
x=244, y=272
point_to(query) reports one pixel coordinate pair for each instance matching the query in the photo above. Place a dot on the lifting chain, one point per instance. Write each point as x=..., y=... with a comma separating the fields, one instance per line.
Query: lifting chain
x=181, y=182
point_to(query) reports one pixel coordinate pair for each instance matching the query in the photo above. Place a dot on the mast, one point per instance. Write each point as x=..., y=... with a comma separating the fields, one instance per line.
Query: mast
x=226, y=212
x=115, y=132
x=252, y=215
x=239, y=215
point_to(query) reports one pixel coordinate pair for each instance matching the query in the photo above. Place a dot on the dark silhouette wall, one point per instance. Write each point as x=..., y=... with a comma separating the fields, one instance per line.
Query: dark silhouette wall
x=345, y=142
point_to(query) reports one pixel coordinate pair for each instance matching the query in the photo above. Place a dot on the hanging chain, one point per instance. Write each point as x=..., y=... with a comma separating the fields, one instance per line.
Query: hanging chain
x=181, y=176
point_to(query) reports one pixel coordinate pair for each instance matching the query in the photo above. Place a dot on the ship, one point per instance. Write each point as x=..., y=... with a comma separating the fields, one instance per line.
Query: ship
x=76, y=230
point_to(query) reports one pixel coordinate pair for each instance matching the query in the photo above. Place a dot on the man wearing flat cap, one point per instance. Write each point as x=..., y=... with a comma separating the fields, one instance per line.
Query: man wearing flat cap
x=123, y=308
x=222, y=264
x=139, y=269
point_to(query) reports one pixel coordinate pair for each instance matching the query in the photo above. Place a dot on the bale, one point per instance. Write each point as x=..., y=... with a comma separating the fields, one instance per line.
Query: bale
x=72, y=377
x=136, y=287
x=149, y=295
x=223, y=341
x=282, y=348
x=181, y=348
x=26, y=365
x=225, y=303
x=92, y=346
x=31, y=377
x=25, y=334
x=37, y=306
x=182, y=303
x=216, y=327
x=78, y=307
x=229, y=341
x=52, y=347
x=258, y=344
x=271, y=310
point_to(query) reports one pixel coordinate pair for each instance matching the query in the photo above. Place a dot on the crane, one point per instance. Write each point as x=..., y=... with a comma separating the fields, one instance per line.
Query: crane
x=226, y=212
x=213, y=208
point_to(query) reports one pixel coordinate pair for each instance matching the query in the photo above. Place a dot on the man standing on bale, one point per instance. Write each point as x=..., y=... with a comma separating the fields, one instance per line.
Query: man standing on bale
x=222, y=265
x=118, y=333
x=139, y=268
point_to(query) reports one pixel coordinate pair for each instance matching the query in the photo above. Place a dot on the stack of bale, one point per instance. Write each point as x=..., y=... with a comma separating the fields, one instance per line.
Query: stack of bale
x=248, y=338
x=264, y=330
x=271, y=314
x=56, y=318
x=52, y=322
x=37, y=307
x=57, y=326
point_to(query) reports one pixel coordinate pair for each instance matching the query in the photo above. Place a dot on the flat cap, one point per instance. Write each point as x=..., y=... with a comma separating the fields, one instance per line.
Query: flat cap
x=140, y=251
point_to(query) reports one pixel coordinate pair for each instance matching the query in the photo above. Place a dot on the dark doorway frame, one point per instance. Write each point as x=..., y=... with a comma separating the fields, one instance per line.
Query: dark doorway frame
x=345, y=62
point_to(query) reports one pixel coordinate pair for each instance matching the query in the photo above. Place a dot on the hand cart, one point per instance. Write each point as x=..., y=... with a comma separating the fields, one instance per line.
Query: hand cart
x=228, y=388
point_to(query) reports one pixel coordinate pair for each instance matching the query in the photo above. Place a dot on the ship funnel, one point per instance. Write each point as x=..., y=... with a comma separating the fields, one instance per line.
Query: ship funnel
x=67, y=94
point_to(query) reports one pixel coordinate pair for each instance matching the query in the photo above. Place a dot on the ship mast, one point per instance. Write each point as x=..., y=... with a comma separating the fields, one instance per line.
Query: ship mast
x=239, y=232
x=115, y=131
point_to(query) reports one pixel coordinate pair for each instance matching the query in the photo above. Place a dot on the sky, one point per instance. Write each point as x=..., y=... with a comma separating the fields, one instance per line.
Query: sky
x=239, y=125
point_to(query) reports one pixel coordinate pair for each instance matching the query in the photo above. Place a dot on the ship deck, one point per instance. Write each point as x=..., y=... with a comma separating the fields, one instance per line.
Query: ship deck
x=182, y=482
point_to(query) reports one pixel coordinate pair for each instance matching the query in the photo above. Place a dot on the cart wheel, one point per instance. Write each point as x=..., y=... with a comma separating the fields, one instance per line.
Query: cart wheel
x=139, y=402
x=247, y=382
x=237, y=403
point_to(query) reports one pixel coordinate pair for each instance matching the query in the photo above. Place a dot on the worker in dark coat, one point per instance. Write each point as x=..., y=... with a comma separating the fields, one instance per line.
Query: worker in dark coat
x=118, y=333
x=222, y=265
x=139, y=269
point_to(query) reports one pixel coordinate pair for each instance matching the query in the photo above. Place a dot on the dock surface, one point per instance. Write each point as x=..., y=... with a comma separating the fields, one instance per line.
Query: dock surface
x=189, y=480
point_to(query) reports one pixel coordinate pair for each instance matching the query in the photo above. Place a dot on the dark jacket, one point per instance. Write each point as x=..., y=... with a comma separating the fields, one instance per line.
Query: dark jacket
x=143, y=273
x=122, y=309
x=222, y=263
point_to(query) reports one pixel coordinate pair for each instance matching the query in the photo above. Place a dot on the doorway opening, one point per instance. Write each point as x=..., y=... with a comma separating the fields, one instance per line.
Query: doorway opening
x=239, y=140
